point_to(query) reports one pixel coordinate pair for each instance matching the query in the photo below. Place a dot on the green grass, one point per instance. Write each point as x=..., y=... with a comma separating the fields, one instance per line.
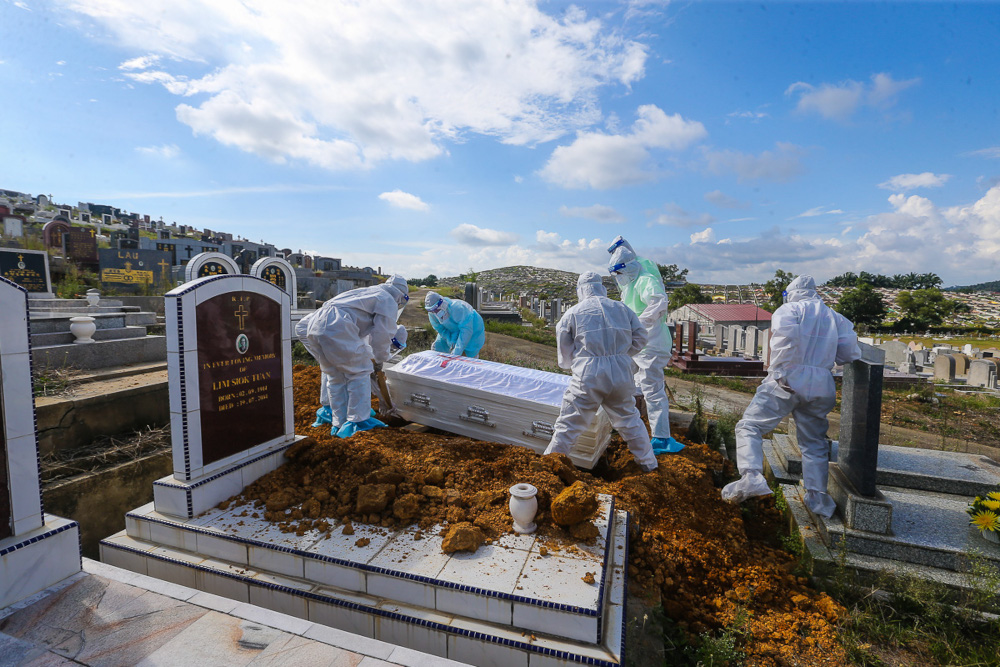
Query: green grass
x=533, y=334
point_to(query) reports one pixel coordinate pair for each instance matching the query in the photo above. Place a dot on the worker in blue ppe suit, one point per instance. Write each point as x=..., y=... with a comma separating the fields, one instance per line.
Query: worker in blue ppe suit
x=346, y=335
x=807, y=339
x=642, y=291
x=459, y=327
x=597, y=339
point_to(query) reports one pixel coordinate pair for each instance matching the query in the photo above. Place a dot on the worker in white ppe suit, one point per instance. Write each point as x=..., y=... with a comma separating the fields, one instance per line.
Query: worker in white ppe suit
x=345, y=335
x=807, y=338
x=642, y=291
x=596, y=338
x=459, y=327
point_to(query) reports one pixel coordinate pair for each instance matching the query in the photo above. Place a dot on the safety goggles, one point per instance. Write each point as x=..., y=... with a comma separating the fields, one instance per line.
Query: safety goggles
x=436, y=308
x=618, y=242
x=617, y=268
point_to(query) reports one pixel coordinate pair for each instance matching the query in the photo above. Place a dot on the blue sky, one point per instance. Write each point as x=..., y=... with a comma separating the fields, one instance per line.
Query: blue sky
x=730, y=138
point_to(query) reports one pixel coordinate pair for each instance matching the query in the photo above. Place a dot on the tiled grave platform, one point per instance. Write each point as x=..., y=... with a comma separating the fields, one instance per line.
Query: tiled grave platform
x=109, y=616
x=905, y=467
x=504, y=605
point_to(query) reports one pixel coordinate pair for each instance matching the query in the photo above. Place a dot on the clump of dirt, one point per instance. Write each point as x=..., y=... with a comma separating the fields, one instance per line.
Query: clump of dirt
x=574, y=505
x=462, y=536
x=705, y=560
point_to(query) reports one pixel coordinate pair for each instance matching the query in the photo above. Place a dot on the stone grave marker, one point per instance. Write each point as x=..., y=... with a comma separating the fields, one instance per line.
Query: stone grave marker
x=27, y=268
x=895, y=352
x=132, y=270
x=944, y=367
x=245, y=260
x=207, y=264
x=36, y=550
x=733, y=341
x=277, y=272
x=80, y=245
x=984, y=373
x=52, y=233
x=961, y=364
x=230, y=381
x=13, y=226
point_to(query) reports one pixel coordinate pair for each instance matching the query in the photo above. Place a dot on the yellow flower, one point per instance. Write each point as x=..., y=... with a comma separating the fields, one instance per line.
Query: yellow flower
x=993, y=505
x=995, y=495
x=986, y=521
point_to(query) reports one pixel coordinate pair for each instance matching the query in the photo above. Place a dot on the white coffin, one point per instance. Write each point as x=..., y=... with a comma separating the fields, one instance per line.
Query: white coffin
x=489, y=401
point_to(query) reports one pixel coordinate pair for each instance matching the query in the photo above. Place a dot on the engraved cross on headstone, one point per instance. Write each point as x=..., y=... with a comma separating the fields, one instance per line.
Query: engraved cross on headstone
x=241, y=313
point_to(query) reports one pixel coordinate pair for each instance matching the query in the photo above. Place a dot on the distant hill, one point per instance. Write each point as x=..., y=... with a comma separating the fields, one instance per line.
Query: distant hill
x=993, y=286
x=545, y=283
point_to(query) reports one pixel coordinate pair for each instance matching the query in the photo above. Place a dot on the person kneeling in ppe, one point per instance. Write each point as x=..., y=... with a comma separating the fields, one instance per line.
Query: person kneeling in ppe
x=642, y=291
x=345, y=335
x=459, y=327
x=596, y=338
x=807, y=338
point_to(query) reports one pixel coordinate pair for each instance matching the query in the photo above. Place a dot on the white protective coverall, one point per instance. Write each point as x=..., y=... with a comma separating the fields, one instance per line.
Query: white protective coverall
x=460, y=329
x=596, y=338
x=344, y=336
x=642, y=291
x=807, y=338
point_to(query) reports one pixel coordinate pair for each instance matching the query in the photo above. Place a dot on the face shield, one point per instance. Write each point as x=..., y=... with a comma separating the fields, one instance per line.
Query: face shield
x=625, y=273
x=619, y=240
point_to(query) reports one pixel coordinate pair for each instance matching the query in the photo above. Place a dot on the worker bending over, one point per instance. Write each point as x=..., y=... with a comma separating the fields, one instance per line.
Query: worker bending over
x=346, y=336
x=642, y=291
x=459, y=327
x=596, y=338
x=807, y=338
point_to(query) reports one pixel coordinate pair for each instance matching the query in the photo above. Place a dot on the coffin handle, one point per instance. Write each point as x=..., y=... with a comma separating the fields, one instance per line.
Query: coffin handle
x=422, y=401
x=541, y=430
x=477, y=414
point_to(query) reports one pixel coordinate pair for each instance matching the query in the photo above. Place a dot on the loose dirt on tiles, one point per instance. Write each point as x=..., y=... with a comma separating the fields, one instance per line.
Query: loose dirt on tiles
x=711, y=565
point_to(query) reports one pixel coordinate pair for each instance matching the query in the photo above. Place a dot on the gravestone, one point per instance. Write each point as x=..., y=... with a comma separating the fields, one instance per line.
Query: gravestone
x=84, y=217
x=909, y=365
x=132, y=270
x=27, y=268
x=80, y=245
x=733, y=341
x=895, y=352
x=307, y=262
x=852, y=477
x=13, y=226
x=961, y=364
x=471, y=295
x=752, y=347
x=170, y=248
x=944, y=368
x=277, y=272
x=52, y=233
x=208, y=264
x=984, y=373
x=230, y=381
x=246, y=260
x=36, y=550
x=990, y=353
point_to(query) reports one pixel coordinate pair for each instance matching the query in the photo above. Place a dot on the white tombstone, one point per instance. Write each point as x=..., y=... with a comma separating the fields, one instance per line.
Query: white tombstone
x=229, y=372
x=13, y=227
x=277, y=272
x=207, y=264
x=36, y=549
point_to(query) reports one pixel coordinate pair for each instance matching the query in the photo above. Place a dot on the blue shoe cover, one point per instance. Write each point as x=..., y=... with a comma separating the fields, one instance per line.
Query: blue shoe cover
x=665, y=446
x=350, y=428
x=373, y=414
x=324, y=415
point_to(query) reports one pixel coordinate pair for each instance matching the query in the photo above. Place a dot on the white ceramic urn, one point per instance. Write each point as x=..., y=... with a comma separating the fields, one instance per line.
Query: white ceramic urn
x=83, y=328
x=523, y=507
x=93, y=297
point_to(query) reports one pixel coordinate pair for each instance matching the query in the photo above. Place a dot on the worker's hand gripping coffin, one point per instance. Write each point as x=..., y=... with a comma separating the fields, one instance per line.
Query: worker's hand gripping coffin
x=489, y=401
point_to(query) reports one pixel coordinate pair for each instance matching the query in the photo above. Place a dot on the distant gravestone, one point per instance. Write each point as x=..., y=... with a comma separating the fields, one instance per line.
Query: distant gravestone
x=133, y=270
x=27, y=268
x=80, y=245
x=895, y=352
x=733, y=340
x=277, y=272
x=471, y=295
x=961, y=364
x=208, y=264
x=13, y=226
x=984, y=373
x=246, y=260
x=169, y=248
x=307, y=261
x=990, y=353
x=944, y=368
x=52, y=233
x=230, y=377
x=36, y=550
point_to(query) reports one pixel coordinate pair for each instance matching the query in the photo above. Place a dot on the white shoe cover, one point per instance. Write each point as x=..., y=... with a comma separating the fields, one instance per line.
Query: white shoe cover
x=750, y=485
x=820, y=504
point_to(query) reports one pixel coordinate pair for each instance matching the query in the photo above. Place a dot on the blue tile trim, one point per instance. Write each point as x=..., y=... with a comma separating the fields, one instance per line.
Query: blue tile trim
x=522, y=646
x=545, y=604
x=38, y=538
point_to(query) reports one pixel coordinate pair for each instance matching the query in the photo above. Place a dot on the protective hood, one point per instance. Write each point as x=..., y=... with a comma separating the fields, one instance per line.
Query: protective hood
x=803, y=287
x=588, y=285
x=619, y=242
x=399, y=340
x=433, y=300
x=624, y=266
x=397, y=287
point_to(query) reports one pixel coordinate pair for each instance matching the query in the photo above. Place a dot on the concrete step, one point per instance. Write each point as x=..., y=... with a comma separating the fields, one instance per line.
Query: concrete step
x=142, y=319
x=59, y=322
x=62, y=304
x=118, y=372
x=102, y=353
x=257, y=572
x=43, y=339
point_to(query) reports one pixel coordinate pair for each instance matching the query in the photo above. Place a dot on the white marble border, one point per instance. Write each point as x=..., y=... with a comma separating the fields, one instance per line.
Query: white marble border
x=291, y=286
x=196, y=262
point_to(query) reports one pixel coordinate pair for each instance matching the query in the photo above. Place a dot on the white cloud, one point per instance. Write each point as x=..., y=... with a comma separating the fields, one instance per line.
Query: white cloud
x=478, y=236
x=722, y=200
x=166, y=151
x=704, y=236
x=675, y=216
x=752, y=116
x=60, y=62
x=991, y=152
x=518, y=178
x=604, y=161
x=344, y=85
x=22, y=5
x=818, y=210
x=401, y=199
x=781, y=165
x=912, y=181
x=140, y=62
x=839, y=101
x=596, y=212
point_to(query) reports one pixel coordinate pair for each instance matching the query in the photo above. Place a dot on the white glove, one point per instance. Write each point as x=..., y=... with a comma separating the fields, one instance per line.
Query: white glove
x=750, y=485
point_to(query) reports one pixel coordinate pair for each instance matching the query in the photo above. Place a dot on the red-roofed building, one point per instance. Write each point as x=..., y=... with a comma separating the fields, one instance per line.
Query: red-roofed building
x=712, y=314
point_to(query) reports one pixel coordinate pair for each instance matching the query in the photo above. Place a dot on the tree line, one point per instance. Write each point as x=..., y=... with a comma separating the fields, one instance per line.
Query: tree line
x=907, y=281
